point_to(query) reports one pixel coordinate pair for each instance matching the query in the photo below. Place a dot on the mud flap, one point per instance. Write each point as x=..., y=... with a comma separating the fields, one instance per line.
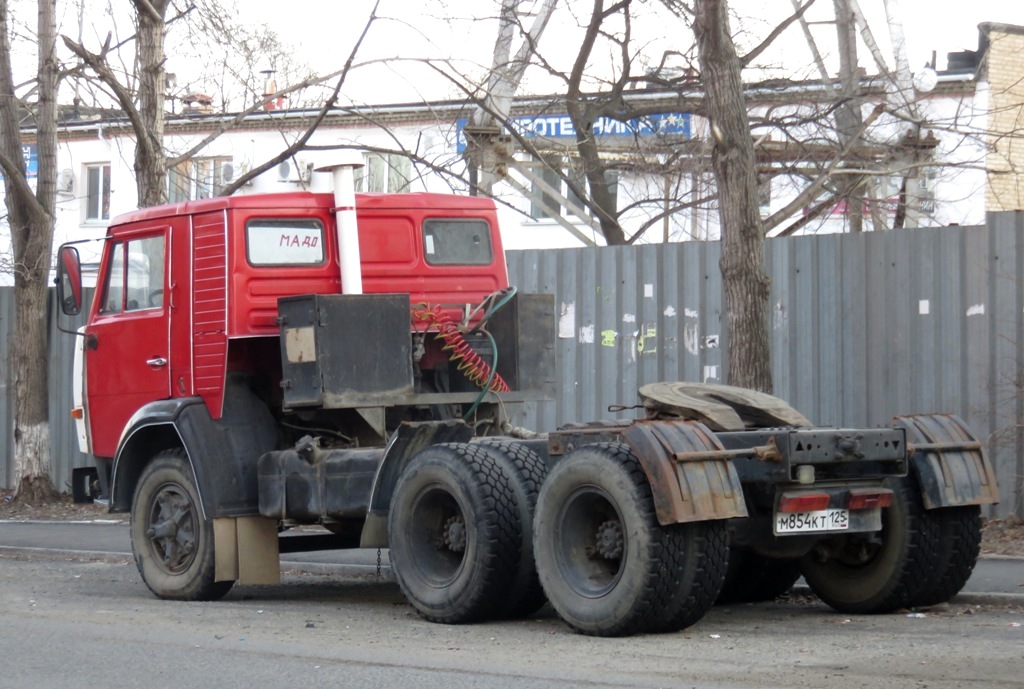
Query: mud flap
x=245, y=550
x=690, y=490
x=949, y=462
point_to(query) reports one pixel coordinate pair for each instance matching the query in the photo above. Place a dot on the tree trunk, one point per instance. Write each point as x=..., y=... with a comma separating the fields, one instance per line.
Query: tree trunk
x=583, y=117
x=30, y=217
x=150, y=165
x=742, y=264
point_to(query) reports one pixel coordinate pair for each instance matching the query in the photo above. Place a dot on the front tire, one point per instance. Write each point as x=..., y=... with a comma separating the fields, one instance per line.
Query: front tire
x=454, y=534
x=172, y=542
x=869, y=574
x=606, y=564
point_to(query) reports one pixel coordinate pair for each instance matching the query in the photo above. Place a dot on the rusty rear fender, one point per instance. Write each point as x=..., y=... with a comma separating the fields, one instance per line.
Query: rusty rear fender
x=701, y=486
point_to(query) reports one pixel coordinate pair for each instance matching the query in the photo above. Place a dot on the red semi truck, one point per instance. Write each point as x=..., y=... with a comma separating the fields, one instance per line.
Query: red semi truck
x=256, y=363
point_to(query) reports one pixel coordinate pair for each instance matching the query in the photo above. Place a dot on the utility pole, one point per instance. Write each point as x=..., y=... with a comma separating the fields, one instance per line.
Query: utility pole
x=849, y=121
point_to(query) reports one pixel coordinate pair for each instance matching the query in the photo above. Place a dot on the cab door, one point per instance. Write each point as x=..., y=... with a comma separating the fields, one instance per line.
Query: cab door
x=127, y=343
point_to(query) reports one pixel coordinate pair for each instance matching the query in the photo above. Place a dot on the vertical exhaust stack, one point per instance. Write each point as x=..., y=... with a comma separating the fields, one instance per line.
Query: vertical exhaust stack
x=345, y=215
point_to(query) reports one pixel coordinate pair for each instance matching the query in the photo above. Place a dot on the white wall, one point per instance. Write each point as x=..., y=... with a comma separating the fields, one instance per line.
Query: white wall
x=959, y=191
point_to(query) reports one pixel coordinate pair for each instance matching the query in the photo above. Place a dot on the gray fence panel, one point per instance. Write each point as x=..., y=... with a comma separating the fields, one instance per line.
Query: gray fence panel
x=63, y=436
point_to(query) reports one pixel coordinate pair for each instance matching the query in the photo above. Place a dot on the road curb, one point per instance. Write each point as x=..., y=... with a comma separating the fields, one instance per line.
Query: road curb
x=57, y=554
x=975, y=598
x=295, y=566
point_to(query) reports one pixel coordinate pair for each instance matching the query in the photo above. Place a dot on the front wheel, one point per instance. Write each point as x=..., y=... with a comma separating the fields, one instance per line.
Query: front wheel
x=172, y=542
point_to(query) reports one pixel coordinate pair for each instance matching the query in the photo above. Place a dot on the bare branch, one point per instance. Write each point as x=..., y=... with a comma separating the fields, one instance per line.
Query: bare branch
x=776, y=32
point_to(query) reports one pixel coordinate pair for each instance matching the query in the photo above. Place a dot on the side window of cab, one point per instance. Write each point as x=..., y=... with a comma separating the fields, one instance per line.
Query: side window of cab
x=135, y=280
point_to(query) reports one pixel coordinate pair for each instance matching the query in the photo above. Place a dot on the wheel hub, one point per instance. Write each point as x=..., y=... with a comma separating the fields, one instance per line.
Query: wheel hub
x=171, y=530
x=455, y=534
x=609, y=540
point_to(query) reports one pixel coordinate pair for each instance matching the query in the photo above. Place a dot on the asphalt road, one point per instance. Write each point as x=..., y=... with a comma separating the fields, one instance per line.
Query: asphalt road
x=74, y=623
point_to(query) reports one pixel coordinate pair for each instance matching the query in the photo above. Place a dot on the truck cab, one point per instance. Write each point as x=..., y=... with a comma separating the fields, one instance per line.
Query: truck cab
x=187, y=300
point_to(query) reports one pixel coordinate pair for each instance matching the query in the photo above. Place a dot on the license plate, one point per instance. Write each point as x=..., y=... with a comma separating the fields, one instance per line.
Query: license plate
x=804, y=522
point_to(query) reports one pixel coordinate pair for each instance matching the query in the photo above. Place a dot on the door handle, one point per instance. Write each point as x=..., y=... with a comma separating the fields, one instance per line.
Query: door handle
x=156, y=362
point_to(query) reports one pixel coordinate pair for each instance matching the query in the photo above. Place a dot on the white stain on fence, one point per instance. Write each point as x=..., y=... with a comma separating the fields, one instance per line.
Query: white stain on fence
x=567, y=320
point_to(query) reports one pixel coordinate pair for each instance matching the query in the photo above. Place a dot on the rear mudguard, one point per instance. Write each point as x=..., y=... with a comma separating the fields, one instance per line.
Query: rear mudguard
x=694, y=489
x=948, y=461
x=223, y=452
x=408, y=440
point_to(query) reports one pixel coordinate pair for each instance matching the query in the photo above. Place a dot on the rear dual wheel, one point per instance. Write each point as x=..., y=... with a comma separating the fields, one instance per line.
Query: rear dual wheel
x=455, y=534
x=959, y=542
x=919, y=558
x=525, y=472
x=880, y=572
x=606, y=564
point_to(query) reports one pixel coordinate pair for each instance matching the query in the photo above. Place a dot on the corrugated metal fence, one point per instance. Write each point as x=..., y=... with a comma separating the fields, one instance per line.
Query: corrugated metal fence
x=864, y=327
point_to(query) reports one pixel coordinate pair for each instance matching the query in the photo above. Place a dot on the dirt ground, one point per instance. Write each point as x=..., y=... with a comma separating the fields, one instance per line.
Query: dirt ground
x=999, y=536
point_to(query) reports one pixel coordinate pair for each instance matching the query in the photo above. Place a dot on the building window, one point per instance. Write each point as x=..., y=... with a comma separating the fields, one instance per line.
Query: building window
x=199, y=178
x=391, y=173
x=97, y=192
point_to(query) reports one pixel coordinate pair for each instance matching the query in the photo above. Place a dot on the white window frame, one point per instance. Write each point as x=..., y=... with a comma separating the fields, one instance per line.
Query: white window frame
x=388, y=173
x=203, y=176
x=101, y=213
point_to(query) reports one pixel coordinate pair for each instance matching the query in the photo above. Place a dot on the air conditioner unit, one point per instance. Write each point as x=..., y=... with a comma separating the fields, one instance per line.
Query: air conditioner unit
x=66, y=180
x=295, y=170
x=227, y=172
x=284, y=171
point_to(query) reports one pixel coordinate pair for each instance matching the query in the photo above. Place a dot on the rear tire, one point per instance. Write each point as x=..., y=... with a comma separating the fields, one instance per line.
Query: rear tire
x=755, y=578
x=525, y=471
x=606, y=564
x=959, y=543
x=454, y=534
x=172, y=542
x=878, y=574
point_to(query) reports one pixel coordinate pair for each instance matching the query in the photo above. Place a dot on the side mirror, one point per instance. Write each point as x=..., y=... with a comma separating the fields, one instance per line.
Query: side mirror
x=69, y=280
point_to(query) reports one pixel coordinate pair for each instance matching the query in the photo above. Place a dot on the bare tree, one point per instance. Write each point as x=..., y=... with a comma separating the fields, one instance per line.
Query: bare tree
x=142, y=94
x=30, y=215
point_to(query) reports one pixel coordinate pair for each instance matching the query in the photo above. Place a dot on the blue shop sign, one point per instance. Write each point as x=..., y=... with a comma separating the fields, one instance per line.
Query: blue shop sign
x=560, y=127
